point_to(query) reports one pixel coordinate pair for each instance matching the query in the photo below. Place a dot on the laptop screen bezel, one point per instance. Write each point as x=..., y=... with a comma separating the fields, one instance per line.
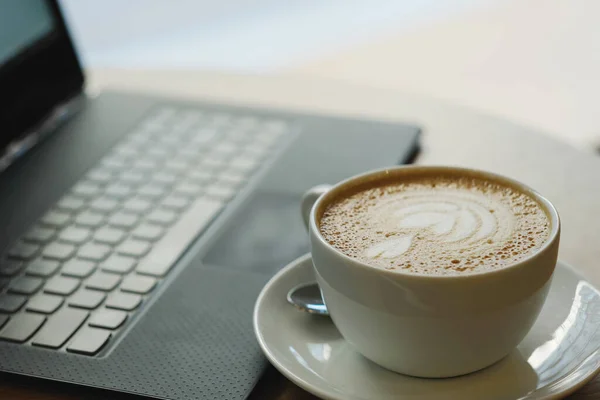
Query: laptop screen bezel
x=36, y=80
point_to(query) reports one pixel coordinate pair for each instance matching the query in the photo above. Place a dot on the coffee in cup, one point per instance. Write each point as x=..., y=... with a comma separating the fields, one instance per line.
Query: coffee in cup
x=437, y=224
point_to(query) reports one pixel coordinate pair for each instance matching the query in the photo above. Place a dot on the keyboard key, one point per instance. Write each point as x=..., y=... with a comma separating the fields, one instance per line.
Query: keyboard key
x=162, y=116
x=123, y=220
x=43, y=268
x=241, y=136
x=248, y=122
x=167, y=250
x=164, y=178
x=103, y=281
x=61, y=285
x=138, y=284
x=151, y=191
x=225, y=149
x=94, y=252
x=10, y=303
x=158, y=153
x=245, y=121
x=140, y=136
x=244, y=164
x=110, y=236
x=186, y=145
x=132, y=177
x=191, y=116
x=187, y=119
x=87, y=299
x=174, y=137
x=162, y=217
x=188, y=189
x=180, y=130
x=126, y=150
x=114, y=162
x=152, y=132
x=56, y=219
x=201, y=176
x=87, y=189
x=123, y=301
x=40, y=234
x=44, y=303
x=137, y=205
x=175, y=202
x=118, y=190
x=59, y=328
x=269, y=133
x=145, y=164
x=76, y=235
x=100, y=175
x=204, y=135
x=256, y=150
x=25, y=285
x=89, y=341
x=176, y=166
x=190, y=153
x=23, y=251
x=21, y=327
x=104, y=205
x=148, y=232
x=214, y=163
x=118, y=264
x=3, y=320
x=276, y=127
x=90, y=219
x=170, y=141
x=266, y=138
x=220, y=191
x=71, y=203
x=58, y=251
x=10, y=267
x=232, y=178
x=78, y=268
x=108, y=319
x=221, y=119
x=134, y=248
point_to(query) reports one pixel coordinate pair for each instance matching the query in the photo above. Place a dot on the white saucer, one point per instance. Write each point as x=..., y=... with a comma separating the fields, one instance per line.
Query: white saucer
x=559, y=355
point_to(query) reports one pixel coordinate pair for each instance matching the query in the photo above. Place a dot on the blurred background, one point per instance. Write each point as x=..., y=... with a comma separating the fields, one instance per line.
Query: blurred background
x=535, y=62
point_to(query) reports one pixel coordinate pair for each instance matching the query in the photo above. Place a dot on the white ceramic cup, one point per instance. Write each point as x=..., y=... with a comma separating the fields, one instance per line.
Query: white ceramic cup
x=430, y=325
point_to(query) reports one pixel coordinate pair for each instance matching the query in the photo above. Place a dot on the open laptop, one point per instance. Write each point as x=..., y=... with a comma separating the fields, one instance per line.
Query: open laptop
x=138, y=231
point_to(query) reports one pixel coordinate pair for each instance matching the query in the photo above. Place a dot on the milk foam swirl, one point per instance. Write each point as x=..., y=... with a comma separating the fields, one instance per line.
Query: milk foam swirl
x=452, y=221
x=439, y=226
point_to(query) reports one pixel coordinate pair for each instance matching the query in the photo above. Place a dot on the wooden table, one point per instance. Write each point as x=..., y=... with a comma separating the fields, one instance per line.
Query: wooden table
x=452, y=136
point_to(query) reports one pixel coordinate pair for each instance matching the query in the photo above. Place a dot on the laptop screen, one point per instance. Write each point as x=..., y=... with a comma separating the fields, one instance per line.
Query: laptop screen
x=38, y=66
x=23, y=24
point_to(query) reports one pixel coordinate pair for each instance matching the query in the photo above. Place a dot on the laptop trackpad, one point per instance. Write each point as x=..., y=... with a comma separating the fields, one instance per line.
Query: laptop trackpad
x=263, y=236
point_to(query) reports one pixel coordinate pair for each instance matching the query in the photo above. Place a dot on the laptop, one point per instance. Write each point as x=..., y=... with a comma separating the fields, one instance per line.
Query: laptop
x=138, y=231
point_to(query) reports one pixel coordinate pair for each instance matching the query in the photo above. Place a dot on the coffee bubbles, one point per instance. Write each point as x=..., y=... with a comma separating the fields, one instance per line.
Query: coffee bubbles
x=436, y=225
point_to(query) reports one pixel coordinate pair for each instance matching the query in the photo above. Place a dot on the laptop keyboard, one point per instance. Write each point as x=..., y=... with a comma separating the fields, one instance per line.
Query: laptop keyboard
x=76, y=277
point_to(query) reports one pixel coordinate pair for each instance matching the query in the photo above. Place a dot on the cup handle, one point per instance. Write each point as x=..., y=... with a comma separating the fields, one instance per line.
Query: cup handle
x=309, y=199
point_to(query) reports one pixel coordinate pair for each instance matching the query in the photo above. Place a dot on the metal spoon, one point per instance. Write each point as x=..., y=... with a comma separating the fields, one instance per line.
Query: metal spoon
x=307, y=297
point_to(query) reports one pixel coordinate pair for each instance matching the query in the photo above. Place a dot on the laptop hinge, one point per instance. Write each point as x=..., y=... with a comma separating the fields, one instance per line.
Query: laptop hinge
x=57, y=117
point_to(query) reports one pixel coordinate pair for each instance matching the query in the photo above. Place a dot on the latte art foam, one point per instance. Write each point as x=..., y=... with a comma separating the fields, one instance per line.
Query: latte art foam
x=441, y=225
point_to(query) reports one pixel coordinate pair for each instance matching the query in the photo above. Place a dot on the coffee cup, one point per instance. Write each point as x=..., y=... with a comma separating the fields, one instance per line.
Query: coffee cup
x=441, y=322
